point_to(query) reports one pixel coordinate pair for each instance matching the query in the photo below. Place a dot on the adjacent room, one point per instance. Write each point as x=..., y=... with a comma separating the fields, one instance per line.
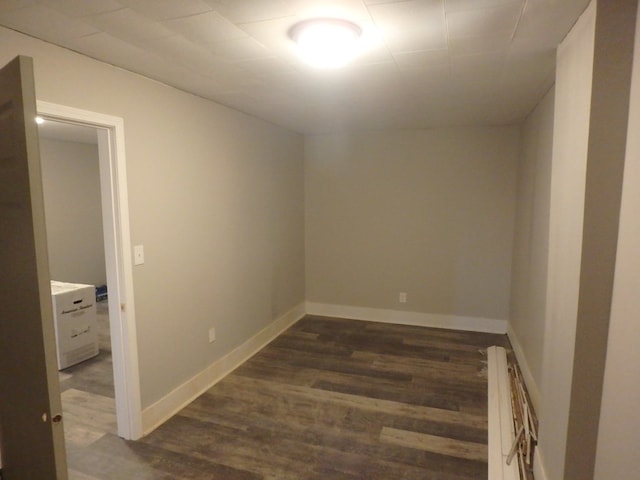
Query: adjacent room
x=301, y=265
x=72, y=198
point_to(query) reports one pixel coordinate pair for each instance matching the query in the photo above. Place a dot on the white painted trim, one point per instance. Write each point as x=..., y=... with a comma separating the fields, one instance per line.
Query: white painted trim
x=532, y=386
x=539, y=472
x=115, y=212
x=452, y=322
x=500, y=416
x=493, y=415
x=156, y=414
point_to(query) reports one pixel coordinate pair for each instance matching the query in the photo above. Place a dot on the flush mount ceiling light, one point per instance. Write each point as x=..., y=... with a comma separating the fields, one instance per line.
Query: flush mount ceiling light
x=326, y=42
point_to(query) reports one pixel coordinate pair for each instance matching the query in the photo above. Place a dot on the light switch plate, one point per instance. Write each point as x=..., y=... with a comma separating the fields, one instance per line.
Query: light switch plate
x=138, y=255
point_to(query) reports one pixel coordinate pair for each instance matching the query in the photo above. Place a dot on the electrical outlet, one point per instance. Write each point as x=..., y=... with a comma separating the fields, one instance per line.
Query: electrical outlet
x=402, y=298
x=212, y=335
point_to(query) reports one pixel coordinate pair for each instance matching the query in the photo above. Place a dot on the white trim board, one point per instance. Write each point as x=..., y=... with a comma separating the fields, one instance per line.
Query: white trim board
x=451, y=322
x=532, y=386
x=115, y=213
x=501, y=430
x=156, y=414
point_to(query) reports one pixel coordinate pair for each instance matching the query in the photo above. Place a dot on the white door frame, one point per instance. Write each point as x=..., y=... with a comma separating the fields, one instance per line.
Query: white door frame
x=115, y=214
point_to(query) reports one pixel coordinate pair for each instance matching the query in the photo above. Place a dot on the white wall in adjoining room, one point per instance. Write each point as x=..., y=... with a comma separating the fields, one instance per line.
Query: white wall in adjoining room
x=426, y=212
x=71, y=183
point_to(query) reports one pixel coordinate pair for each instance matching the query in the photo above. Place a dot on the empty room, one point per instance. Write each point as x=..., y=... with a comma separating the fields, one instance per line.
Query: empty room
x=315, y=222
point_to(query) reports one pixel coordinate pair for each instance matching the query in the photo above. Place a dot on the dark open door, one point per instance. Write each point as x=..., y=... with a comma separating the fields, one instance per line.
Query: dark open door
x=31, y=435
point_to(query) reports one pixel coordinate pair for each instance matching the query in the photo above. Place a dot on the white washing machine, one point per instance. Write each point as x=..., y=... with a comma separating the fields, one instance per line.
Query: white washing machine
x=74, y=314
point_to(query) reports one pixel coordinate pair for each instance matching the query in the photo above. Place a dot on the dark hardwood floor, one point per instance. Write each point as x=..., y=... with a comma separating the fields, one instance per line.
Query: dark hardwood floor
x=328, y=399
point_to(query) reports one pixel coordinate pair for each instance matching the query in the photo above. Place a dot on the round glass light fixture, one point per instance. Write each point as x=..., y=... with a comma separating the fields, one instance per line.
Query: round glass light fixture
x=326, y=42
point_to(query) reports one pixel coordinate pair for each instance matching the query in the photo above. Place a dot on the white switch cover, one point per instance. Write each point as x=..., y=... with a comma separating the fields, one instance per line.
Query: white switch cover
x=138, y=255
x=212, y=335
x=402, y=297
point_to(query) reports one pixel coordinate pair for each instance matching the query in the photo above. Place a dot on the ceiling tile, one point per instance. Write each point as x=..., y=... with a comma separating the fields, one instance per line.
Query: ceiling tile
x=412, y=25
x=259, y=90
x=426, y=63
x=167, y=9
x=377, y=2
x=250, y=10
x=514, y=103
x=427, y=110
x=128, y=25
x=458, y=5
x=427, y=76
x=470, y=109
x=9, y=5
x=371, y=49
x=43, y=22
x=421, y=59
x=528, y=44
x=273, y=35
x=266, y=66
x=239, y=49
x=190, y=55
x=484, y=22
x=81, y=8
x=474, y=45
x=477, y=74
x=544, y=24
x=525, y=79
x=111, y=49
x=372, y=74
x=530, y=70
x=295, y=82
x=353, y=10
x=206, y=28
x=203, y=85
x=477, y=65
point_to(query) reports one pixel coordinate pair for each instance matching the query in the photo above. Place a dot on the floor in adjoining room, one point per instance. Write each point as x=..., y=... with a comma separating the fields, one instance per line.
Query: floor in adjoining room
x=87, y=391
x=328, y=399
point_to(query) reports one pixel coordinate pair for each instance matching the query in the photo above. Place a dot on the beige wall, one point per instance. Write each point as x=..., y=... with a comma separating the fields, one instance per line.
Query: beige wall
x=617, y=454
x=591, y=112
x=608, y=123
x=531, y=244
x=426, y=212
x=215, y=196
x=71, y=183
x=571, y=118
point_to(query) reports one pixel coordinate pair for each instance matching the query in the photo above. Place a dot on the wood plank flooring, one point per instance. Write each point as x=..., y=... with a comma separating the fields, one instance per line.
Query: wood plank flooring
x=328, y=399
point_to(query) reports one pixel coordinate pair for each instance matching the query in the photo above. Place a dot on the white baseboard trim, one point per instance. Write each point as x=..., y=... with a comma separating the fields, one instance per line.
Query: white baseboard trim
x=155, y=415
x=532, y=386
x=539, y=472
x=452, y=322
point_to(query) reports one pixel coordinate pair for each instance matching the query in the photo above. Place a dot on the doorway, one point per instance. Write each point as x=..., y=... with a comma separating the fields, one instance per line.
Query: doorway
x=114, y=201
x=75, y=239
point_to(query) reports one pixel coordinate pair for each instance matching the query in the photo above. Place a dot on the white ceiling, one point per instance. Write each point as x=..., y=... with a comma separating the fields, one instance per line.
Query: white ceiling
x=427, y=62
